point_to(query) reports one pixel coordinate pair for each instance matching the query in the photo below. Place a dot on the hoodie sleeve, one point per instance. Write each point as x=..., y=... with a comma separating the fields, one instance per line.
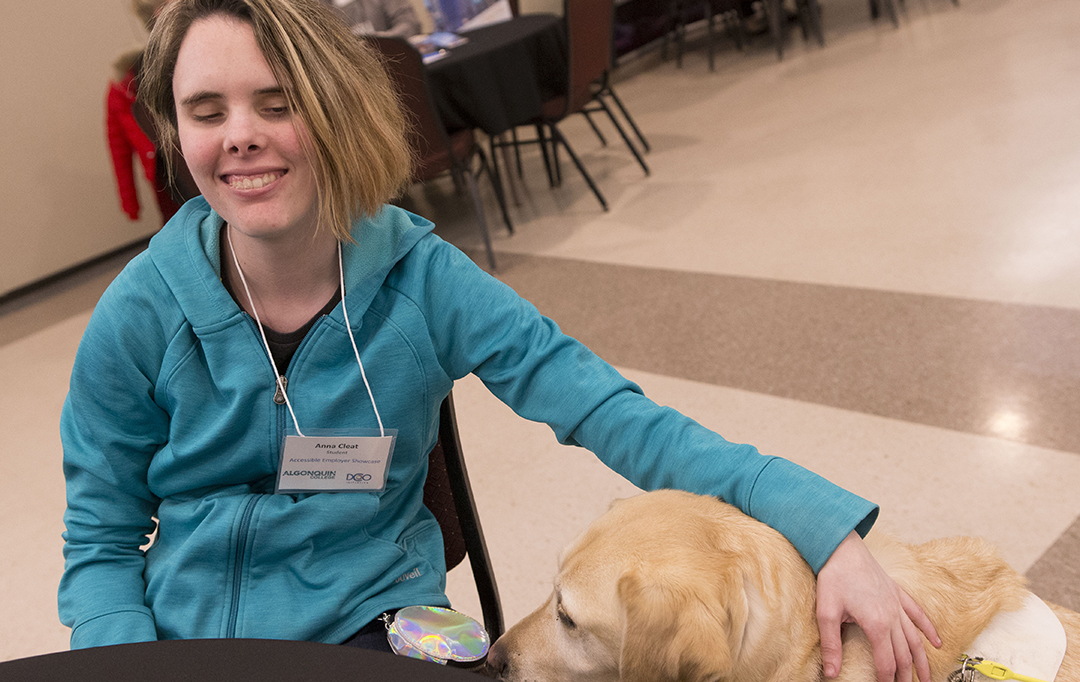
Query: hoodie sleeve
x=482, y=326
x=111, y=427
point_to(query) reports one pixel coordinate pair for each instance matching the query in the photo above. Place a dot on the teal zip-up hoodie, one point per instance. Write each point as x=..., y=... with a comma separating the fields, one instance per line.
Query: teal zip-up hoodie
x=171, y=415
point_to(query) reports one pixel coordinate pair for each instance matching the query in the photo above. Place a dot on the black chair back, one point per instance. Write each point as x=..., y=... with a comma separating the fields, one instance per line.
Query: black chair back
x=437, y=151
x=448, y=495
x=428, y=135
x=588, y=39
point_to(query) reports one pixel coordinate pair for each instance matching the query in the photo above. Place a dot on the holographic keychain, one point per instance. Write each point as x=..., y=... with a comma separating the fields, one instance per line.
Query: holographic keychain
x=432, y=633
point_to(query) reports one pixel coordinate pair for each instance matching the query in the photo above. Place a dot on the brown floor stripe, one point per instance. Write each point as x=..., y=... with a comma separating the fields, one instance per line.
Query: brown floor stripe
x=1010, y=371
x=1056, y=575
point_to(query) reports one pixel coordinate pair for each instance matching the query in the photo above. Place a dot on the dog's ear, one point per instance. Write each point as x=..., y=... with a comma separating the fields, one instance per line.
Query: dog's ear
x=681, y=625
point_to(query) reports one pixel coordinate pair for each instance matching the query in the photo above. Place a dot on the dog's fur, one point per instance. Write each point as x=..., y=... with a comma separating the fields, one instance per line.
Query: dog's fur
x=673, y=586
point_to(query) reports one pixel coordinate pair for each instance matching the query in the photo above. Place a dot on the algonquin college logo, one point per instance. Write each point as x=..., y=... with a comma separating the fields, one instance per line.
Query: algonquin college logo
x=313, y=474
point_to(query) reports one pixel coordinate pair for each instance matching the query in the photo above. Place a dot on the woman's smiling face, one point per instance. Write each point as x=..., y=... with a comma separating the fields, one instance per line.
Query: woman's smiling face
x=237, y=133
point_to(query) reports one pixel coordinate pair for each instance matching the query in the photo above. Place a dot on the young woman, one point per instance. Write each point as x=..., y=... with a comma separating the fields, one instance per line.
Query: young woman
x=290, y=309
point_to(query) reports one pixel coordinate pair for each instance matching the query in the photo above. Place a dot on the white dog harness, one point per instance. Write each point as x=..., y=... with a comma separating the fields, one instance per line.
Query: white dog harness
x=1030, y=642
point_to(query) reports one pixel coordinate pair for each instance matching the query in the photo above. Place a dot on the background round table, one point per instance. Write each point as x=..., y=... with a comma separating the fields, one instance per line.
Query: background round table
x=227, y=660
x=502, y=76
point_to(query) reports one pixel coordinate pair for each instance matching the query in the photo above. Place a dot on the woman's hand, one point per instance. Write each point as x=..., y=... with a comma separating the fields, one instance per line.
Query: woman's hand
x=853, y=588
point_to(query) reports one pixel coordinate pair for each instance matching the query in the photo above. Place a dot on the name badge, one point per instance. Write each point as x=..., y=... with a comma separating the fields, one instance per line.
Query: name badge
x=334, y=463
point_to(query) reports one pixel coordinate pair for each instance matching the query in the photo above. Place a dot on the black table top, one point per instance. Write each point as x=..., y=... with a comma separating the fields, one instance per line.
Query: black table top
x=227, y=660
x=502, y=76
x=492, y=37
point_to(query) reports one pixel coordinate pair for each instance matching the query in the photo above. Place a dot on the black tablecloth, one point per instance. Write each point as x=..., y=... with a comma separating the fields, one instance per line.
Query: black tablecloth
x=502, y=76
x=227, y=660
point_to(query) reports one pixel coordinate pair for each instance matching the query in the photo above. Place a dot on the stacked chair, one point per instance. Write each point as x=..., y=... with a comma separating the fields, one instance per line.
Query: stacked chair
x=683, y=12
x=723, y=12
x=589, y=60
x=891, y=9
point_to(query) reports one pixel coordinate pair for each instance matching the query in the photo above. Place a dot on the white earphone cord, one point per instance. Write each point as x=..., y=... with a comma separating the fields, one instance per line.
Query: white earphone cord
x=266, y=344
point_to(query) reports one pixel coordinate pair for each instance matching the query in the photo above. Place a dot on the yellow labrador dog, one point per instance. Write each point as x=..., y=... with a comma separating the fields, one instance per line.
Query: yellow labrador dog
x=673, y=586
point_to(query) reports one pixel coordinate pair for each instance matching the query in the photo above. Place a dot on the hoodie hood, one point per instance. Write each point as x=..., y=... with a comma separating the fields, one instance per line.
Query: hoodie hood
x=381, y=242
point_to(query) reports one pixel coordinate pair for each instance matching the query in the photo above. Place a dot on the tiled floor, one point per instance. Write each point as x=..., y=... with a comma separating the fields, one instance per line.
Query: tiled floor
x=865, y=258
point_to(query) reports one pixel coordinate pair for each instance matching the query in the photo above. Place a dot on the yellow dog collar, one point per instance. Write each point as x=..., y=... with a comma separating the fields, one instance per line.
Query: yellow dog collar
x=995, y=671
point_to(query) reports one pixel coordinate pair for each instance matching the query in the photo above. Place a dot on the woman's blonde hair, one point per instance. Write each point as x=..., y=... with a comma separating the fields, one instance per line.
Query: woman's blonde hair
x=334, y=83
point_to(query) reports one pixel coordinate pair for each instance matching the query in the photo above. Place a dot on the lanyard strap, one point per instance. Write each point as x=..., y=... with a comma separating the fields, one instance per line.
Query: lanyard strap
x=266, y=344
x=348, y=328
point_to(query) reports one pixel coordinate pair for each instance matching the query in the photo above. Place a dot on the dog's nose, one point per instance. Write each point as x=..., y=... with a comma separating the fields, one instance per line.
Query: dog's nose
x=496, y=662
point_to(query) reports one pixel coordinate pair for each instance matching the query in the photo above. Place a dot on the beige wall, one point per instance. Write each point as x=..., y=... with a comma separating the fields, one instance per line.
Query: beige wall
x=58, y=200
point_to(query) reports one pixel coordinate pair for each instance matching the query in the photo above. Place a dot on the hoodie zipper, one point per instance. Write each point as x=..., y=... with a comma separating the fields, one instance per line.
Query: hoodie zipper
x=238, y=568
x=249, y=506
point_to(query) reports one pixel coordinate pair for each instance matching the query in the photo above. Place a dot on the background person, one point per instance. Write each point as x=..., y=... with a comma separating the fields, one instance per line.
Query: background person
x=130, y=135
x=392, y=18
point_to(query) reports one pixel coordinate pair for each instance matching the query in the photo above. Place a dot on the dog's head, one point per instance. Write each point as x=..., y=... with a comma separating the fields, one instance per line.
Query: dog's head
x=664, y=586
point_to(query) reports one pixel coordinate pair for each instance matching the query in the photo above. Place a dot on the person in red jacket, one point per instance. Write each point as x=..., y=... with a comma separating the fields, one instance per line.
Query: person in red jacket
x=128, y=142
x=129, y=133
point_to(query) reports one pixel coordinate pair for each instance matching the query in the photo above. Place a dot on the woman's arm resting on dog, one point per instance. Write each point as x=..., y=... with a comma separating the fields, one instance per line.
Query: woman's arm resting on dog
x=853, y=587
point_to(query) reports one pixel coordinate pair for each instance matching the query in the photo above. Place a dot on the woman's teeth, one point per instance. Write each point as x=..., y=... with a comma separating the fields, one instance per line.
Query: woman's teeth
x=252, y=182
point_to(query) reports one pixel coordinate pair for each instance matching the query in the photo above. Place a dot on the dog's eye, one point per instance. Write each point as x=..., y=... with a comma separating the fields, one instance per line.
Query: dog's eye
x=565, y=618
